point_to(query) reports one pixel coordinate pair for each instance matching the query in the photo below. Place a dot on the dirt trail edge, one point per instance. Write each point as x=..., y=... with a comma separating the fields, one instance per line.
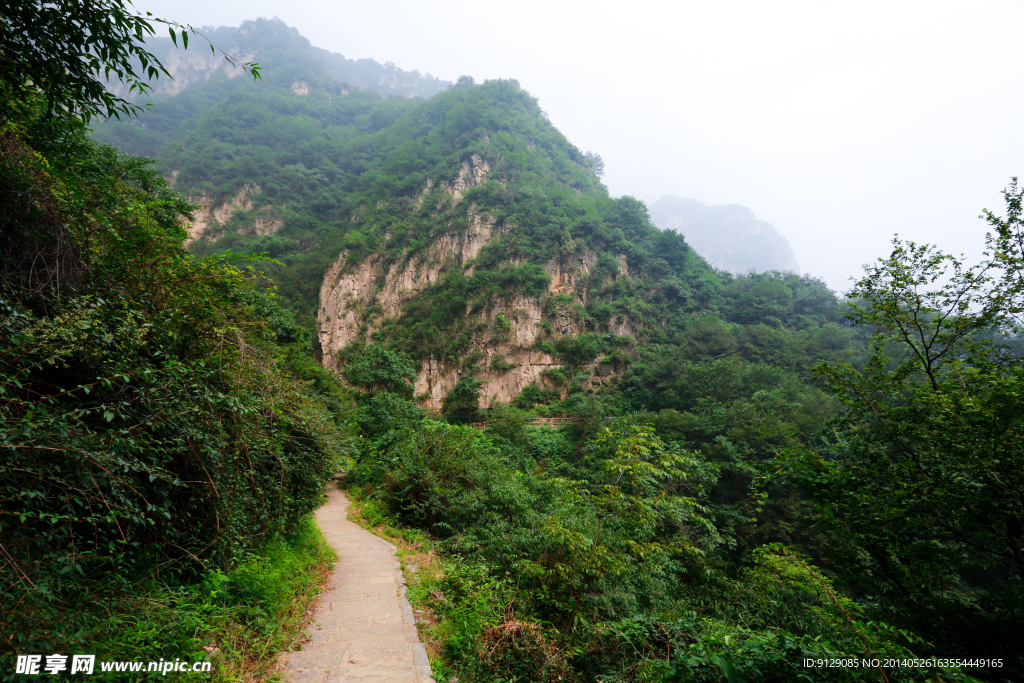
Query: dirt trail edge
x=363, y=629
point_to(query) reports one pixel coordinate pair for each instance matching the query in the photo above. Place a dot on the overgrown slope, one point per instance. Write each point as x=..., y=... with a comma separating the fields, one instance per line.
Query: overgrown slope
x=156, y=433
x=467, y=234
x=309, y=176
x=706, y=510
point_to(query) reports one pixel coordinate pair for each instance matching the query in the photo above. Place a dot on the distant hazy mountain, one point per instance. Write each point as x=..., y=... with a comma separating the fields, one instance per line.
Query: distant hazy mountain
x=282, y=51
x=729, y=236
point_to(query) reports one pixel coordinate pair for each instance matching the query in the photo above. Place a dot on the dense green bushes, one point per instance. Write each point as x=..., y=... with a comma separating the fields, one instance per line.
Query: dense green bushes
x=241, y=619
x=594, y=557
x=923, y=475
x=152, y=428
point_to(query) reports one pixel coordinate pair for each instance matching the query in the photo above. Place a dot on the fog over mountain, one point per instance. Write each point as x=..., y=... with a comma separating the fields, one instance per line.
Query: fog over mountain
x=277, y=47
x=729, y=237
x=845, y=123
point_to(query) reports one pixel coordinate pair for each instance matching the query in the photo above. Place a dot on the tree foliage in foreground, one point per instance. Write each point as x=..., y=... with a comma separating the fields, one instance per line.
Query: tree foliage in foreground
x=923, y=482
x=69, y=50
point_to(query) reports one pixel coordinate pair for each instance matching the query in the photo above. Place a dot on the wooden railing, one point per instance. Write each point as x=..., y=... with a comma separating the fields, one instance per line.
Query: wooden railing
x=536, y=422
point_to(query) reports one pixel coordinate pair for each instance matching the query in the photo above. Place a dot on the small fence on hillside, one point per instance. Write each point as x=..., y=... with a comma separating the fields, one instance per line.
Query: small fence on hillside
x=535, y=422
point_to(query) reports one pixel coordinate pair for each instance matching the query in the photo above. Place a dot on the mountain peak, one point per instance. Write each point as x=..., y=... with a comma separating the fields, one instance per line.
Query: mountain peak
x=283, y=54
x=730, y=237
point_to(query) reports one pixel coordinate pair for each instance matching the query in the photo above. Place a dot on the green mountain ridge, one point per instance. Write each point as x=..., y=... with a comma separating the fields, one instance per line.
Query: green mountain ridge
x=283, y=53
x=747, y=480
x=306, y=176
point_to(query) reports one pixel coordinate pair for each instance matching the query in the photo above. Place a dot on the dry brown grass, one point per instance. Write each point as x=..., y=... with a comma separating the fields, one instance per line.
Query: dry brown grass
x=514, y=640
x=510, y=633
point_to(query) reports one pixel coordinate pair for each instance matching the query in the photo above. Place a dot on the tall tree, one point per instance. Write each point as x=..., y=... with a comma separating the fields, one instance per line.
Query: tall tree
x=924, y=482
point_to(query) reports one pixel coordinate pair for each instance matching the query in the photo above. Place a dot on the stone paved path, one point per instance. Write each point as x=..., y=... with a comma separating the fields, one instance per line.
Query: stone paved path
x=363, y=630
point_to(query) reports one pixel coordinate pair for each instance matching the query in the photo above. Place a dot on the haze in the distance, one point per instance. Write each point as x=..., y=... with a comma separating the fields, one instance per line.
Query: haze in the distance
x=839, y=123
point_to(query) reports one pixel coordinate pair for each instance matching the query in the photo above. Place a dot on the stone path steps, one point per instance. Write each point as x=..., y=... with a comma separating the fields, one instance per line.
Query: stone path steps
x=363, y=630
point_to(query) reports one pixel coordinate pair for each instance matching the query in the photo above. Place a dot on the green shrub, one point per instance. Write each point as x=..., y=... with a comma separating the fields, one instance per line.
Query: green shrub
x=499, y=364
x=240, y=619
x=579, y=350
x=376, y=368
x=532, y=395
x=463, y=401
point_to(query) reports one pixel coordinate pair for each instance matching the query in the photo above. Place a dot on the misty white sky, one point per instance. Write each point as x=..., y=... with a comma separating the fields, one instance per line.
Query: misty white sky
x=840, y=123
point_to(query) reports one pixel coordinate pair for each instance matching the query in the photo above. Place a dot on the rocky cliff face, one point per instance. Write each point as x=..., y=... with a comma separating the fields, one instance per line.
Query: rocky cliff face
x=359, y=298
x=729, y=237
x=209, y=221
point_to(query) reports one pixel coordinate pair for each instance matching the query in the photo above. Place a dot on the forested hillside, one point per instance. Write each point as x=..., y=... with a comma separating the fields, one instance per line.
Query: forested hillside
x=307, y=177
x=753, y=473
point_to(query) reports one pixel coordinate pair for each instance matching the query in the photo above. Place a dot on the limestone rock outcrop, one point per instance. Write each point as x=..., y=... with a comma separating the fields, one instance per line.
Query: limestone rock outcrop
x=358, y=297
x=215, y=214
